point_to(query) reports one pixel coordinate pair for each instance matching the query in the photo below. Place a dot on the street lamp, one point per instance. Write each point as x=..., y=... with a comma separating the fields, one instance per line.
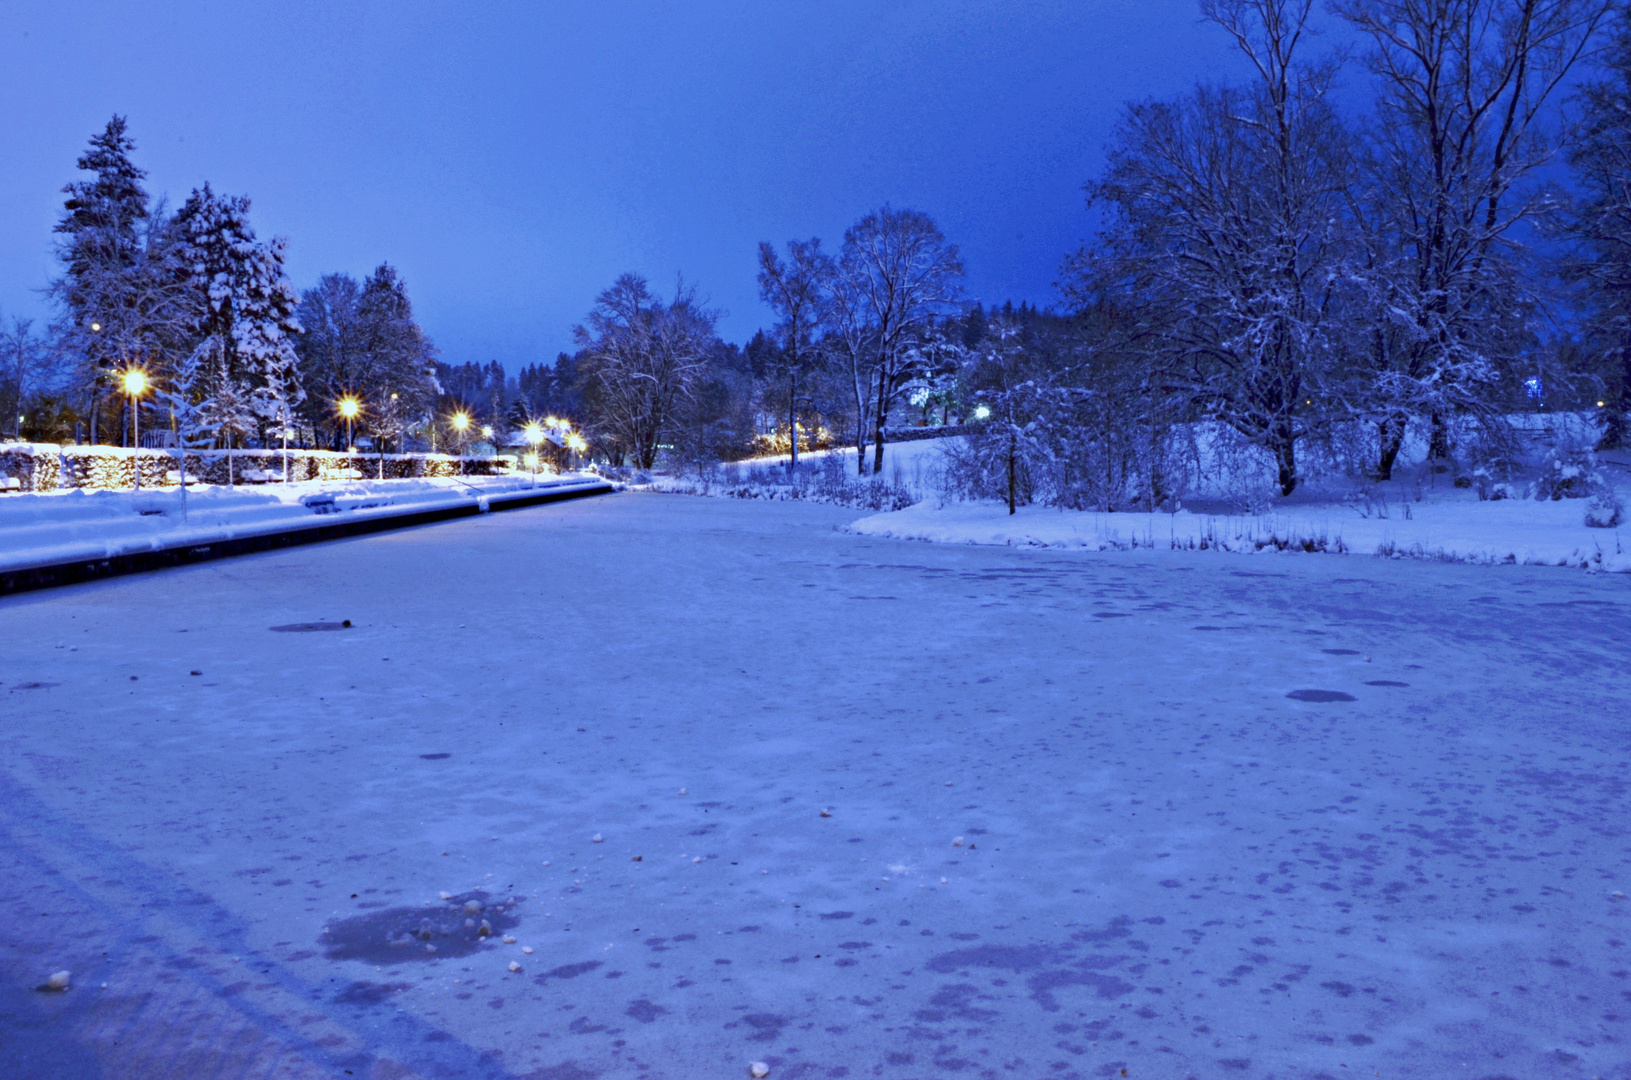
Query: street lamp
x=535, y=435
x=135, y=383
x=349, y=408
x=461, y=424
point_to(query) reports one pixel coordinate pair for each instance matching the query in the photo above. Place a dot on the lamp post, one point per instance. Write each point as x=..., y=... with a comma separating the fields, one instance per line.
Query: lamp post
x=535, y=435
x=135, y=383
x=461, y=424
x=349, y=408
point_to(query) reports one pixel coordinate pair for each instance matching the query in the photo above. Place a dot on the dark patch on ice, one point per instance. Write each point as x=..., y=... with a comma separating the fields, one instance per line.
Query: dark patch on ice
x=838, y=915
x=310, y=627
x=1361, y=1040
x=566, y=1070
x=368, y=993
x=1110, y=614
x=644, y=1011
x=1043, y=984
x=766, y=1026
x=1014, y=958
x=956, y=1000
x=1386, y=682
x=568, y=971
x=1235, y=1064
x=1208, y=628
x=35, y=686
x=397, y=934
x=435, y=757
x=1320, y=695
x=1341, y=652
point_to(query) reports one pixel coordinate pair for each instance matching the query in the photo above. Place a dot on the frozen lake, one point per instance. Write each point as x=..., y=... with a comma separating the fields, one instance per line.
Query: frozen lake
x=1166, y=863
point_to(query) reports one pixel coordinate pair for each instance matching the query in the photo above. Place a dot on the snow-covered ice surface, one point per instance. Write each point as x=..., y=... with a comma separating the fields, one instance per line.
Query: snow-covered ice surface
x=76, y=524
x=1174, y=861
x=1454, y=529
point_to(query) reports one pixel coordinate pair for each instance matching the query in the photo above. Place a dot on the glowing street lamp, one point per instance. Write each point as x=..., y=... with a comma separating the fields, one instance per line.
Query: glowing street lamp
x=349, y=408
x=534, y=432
x=461, y=424
x=982, y=412
x=135, y=384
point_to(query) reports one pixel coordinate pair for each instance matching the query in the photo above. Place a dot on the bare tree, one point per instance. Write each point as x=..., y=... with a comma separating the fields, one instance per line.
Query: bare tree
x=1458, y=130
x=796, y=291
x=1229, y=233
x=896, y=275
x=643, y=356
x=1600, y=152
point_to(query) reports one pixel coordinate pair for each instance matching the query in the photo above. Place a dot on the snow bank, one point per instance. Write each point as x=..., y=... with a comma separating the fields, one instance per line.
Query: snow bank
x=74, y=525
x=1509, y=531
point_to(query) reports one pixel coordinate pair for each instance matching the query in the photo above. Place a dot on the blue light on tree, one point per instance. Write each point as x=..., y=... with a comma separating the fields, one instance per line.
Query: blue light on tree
x=1532, y=387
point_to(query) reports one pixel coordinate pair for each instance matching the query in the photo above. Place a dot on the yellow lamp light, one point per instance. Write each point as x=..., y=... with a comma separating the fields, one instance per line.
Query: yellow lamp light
x=461, y=421
x=135, y=382
x=350, y=407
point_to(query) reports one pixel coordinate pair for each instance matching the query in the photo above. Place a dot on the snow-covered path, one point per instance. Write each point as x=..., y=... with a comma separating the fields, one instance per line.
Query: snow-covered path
x=1167, y=864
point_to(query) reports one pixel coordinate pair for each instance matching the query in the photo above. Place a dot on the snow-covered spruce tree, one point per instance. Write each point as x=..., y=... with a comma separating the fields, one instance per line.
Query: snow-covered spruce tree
x=181, y=396
x=898, y=275
x=227, y=408
x=398, y=361
x=243, y=310
x=1600, y=151
x=642, y=356
x=1227, y=231
x=115, y=295
x=329, y=346
x=1458, y=135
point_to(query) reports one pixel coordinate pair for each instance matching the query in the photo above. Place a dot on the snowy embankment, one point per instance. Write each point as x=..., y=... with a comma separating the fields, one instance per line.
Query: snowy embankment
x=58, y=528
x=1460, y=530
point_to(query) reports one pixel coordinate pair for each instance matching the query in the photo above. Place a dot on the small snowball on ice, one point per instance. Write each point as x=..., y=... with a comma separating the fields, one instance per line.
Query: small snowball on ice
x=1617, y=895
x=484, y=929
x=826, y=813
x=682, y=791
x=596, y=838
x=758, y=1070
x=546, y=862
x=957, y=841
x=473, y=907
x=57, y=981
x=942, y=881
x=527, y=949
x=509, y=940
x=445, y=895
x=697, y=859
x=430, y=948
x=514, y=966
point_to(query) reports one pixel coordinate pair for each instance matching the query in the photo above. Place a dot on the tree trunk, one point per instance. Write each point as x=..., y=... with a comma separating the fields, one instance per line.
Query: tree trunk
x=96, y=413
x=793, y=422
x=1438, y=445
x=1285, y=457
x=1390, y=435
x=877, y=430
x=1010, y=474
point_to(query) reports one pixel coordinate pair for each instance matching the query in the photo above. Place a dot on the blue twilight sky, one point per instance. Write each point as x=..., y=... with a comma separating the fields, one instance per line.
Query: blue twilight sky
x=511, y=158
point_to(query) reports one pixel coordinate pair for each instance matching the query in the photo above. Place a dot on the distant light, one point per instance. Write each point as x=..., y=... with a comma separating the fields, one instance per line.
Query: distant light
x=135, y=382
x=576, y=442
x=96, y=326
x=349, y=407
x=551, y=421
x=532, y=461
x=1532, y=386
x=461, y=421
x=486, y=431
x=1600, y=404
x=534, y=433
x=982, y=412
x=393, y=397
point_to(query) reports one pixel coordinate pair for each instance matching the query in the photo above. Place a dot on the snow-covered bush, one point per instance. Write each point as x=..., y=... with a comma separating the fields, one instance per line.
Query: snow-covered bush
x=1604, y=511
x=1567, y=474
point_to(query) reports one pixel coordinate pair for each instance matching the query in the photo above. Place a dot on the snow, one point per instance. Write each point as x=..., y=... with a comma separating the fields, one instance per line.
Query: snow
x=75, y=524
x=1171, y=865
x=1461, y=530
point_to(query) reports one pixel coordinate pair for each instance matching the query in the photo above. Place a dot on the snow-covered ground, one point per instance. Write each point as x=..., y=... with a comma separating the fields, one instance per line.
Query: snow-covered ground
x=1457, y=529
x=1417, y=516
x=75, y=524
x=711, y=760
